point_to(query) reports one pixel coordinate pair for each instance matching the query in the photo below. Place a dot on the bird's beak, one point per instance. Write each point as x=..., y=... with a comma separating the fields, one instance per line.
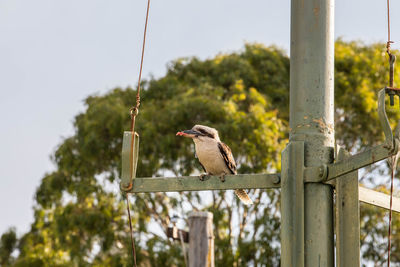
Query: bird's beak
x=188, y=133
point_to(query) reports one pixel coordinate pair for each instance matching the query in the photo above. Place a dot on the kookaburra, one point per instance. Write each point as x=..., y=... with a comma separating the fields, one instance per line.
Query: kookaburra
x=215, y=157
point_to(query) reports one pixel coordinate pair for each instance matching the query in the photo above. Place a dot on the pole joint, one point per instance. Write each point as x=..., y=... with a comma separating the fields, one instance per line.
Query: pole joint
x=316, y=174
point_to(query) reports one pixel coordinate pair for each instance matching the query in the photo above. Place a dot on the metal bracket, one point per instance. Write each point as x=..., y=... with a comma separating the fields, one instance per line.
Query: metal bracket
x=315, y=174
x=389, y=140
x=389, y=148
x=129, y=160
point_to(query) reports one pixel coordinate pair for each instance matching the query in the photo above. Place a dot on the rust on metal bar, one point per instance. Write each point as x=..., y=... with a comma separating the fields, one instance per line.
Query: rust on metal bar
x=392, y=88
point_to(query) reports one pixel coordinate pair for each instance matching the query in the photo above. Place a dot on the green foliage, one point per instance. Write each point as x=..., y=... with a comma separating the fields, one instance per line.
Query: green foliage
x=80, y=217
x=8, y=243
x=360, y=72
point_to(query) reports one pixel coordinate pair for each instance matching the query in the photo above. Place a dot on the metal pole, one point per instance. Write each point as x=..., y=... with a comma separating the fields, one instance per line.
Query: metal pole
x=347, y=218
x=292, y=205
x=311, y=119
x=201, y=239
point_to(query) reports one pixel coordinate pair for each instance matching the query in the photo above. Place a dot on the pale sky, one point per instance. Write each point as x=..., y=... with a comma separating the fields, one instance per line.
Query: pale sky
x=54, y=53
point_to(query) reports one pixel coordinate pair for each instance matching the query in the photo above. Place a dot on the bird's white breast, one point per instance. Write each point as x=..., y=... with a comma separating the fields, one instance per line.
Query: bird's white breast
x=210, y=157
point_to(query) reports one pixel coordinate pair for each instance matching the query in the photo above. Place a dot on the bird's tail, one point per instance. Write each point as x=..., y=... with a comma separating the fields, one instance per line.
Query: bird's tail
x=242, y=195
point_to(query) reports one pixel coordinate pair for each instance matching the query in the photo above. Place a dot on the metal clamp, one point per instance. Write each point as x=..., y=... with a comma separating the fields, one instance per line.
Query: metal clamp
x=392, y=60
x=374, y=154
x=130, y=155
x=391, y=142
x=390, y=147
x=391, y=90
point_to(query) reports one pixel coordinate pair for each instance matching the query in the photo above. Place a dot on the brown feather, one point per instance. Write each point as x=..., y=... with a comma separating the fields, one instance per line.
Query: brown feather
x=228, y=157
x=242, y=195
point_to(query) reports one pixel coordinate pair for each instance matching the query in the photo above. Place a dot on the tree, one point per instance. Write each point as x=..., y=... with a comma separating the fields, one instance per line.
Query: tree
x=80, y=216
x=8, y=244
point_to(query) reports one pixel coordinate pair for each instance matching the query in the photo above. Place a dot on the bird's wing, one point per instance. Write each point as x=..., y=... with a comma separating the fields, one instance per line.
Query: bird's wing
x=195, y=155
x=228, y=157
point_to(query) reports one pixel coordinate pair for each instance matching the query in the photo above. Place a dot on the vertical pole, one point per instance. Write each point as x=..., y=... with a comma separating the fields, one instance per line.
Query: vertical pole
x=292, y=205
x=347, y=218
x=201, y=240
x=311, y=118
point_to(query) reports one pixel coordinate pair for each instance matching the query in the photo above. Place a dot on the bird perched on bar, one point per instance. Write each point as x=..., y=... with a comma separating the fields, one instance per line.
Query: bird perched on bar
x=214, y=156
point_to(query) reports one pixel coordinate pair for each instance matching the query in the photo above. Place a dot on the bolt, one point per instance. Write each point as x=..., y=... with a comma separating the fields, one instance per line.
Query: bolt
x=321, y=171
x=277, y=179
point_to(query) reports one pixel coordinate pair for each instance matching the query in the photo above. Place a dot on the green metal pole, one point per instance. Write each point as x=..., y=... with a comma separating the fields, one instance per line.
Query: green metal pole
x=312, y=120
x=292, y=205
x=347, y=218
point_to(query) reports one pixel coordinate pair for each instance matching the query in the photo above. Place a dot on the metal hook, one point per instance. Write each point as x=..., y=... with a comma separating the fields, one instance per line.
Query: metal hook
x=391, y=90
x=134, y=111
x=392, y=60
x=391, y=142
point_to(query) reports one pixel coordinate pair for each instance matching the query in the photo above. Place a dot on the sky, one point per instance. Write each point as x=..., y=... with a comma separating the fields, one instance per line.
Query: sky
x=55, y=53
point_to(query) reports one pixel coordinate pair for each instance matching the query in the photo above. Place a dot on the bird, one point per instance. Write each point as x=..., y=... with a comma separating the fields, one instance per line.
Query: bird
x=214, y=156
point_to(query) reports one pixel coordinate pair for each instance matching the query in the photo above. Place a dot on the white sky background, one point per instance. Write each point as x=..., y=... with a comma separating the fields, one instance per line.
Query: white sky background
x=53, y=54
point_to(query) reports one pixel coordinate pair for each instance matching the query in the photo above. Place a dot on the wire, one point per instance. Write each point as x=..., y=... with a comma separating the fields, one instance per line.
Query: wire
x=388, y=23
x=390, y=217
x=394, y=158
x=130, y=226
x=393, y=167
x=393, y=164
x=134, y=111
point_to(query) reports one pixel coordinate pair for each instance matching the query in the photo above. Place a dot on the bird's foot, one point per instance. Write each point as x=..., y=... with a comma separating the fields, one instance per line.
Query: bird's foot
x=222, y=177
x=204, y=176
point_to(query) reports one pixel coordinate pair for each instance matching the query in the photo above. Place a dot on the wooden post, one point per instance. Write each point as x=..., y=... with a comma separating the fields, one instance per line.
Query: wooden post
x=201, y=240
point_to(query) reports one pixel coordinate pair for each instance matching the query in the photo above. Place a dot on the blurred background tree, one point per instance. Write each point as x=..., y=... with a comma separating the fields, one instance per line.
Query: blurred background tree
x=79, y=213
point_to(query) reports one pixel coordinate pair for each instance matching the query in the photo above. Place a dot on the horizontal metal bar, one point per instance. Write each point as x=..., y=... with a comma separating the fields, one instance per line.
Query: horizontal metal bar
x=378, y=199
x=193, y=183
x=359, y=160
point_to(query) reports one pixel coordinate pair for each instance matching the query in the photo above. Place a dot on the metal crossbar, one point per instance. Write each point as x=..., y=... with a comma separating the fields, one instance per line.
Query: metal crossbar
x=378, y=199
x=193, y=183
x=360, y=160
